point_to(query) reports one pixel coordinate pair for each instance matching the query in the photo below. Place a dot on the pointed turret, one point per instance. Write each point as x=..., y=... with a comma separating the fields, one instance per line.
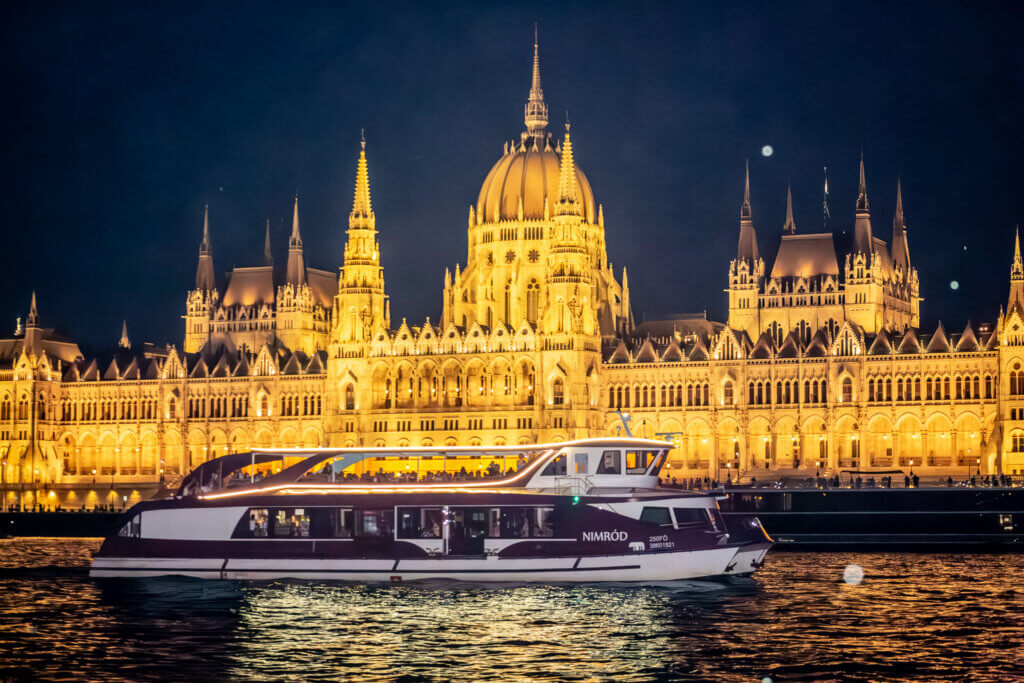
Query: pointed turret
x=862, y=240
x=568, y=191
x=1016, y=278
x=33, y=335
x=296, y=261
x=790, y=225
x=536, y=111
x=900, y=247
x=826, y=218
x=747, y=247
x=124, y=342
x=205, y=281
x=268, y=257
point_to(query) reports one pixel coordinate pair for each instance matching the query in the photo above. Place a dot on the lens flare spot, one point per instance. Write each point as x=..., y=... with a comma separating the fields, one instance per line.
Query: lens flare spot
x=767, y=151
x=954, y=285
x=853, y=574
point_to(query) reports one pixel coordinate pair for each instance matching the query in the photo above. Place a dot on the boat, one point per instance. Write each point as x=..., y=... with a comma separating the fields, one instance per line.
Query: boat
x=923, y=518
x=589, y=510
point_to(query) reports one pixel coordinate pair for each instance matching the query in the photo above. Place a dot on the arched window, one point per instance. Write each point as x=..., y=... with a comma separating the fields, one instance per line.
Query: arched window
x=172, y=408
x=264, y=407
x=532, y=300
x=727, y=393
x=558, y=392
x=847, y=390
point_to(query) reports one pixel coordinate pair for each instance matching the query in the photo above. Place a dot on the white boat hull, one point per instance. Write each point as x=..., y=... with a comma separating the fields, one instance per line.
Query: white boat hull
x=639, y=567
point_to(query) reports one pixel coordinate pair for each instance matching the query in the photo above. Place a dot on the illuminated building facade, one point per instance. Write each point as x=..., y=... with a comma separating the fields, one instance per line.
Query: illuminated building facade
x=821, y=365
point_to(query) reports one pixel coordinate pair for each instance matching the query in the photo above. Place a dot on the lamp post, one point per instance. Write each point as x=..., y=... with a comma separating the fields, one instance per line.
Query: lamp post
x=978, y=461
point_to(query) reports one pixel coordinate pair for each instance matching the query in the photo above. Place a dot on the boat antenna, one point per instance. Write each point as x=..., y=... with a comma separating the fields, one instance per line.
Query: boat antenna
x=624, y=417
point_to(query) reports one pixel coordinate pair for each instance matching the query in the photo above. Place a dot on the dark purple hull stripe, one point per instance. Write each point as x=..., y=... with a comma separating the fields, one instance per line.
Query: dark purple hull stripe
x=369, y=571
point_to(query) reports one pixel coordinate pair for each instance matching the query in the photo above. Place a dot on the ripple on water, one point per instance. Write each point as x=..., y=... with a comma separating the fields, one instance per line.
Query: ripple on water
x=914, y=616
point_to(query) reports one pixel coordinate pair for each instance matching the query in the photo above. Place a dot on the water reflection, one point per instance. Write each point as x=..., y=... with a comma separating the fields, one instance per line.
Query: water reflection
x=913, y=616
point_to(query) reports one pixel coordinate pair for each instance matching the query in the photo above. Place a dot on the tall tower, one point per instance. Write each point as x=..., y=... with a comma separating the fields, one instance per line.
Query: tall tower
x=746, y=271
x=201, y=300
x=569, y=307
x=864, y=294
x=361, y=305
x=297, y=310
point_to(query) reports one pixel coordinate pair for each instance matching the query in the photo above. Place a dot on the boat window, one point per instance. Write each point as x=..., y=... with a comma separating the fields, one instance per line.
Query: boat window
x=132, y=528
x=581, y=462
x=638, y=461
x=515, y=523
x=715, y=517
x=320, y=522
x=290, y=522
x=555, y=468
x=543, y=522
x=657, y=457
x=659, y=516
x=690, y=518
x=374, y=523
x=611, y=463
x=420, y=522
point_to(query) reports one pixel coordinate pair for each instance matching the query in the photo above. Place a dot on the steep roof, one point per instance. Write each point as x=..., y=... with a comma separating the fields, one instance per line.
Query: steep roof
x=806, y=256
x=250, y=286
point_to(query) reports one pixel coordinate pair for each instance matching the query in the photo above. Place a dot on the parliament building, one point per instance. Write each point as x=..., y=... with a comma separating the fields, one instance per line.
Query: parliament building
x=821, y=365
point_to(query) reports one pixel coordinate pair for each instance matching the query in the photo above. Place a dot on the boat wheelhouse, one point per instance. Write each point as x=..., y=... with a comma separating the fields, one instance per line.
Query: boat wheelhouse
x=587, y=510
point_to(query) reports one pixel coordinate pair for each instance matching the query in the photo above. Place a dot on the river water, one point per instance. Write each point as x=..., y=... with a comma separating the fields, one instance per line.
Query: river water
x=921, y=617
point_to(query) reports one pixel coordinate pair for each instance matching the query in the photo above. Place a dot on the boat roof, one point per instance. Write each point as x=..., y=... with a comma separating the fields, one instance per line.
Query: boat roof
x=289, y=476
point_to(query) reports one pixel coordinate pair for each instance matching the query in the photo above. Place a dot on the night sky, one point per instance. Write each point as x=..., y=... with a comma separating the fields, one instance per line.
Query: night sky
x=121, y=120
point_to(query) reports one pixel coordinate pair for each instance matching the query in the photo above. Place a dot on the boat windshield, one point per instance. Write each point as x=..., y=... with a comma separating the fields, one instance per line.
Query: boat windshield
x=421, y=467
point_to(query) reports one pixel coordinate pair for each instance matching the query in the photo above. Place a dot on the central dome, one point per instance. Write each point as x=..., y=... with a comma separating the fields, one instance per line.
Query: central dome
x=530, y=174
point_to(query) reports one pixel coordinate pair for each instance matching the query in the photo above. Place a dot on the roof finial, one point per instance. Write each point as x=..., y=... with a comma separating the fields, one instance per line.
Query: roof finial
x=362, y=137
x=205, y=246
x=826, y=217
x=296, y=237
x=268, y=258
x=745, y=209
x=862, y=195
x=1017, y=264
x=33, y=313
x=790, y=225
x=536, y=112
x=898, y=218
x=124, y=342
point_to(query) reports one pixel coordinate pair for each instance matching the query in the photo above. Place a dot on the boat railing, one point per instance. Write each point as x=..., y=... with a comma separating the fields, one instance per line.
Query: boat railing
x=574, y=485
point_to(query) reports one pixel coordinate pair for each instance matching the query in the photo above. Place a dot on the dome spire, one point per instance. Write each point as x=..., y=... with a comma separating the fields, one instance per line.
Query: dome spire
x=536, y=112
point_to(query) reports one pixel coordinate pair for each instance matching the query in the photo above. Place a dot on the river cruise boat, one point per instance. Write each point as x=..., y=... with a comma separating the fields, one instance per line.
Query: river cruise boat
x=587, y=510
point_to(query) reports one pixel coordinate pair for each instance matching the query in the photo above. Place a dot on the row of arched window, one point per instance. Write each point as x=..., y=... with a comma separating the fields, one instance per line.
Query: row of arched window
x=932, y=388
x=787, y=391
x=297, y=405
x=672, y=395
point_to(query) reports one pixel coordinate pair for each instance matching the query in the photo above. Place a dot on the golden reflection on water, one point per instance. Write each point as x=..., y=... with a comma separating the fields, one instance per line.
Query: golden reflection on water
x=914, y=616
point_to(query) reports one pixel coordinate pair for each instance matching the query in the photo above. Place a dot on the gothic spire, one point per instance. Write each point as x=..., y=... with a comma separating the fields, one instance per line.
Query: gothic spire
x=268, y=257
x=362, y=210
x=900, y=247
x=862, y=190
x=826, y=216
x=296, y=261
x=1016, y=276
x=536, y=112
x=790, y=225
x=747, y=247
x=745, y=208
x=863, y=242
x=124, y=342
x=205, y=280
x=568, y=192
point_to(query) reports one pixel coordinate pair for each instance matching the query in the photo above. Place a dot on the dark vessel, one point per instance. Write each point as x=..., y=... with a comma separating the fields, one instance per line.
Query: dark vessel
x=930, y=518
